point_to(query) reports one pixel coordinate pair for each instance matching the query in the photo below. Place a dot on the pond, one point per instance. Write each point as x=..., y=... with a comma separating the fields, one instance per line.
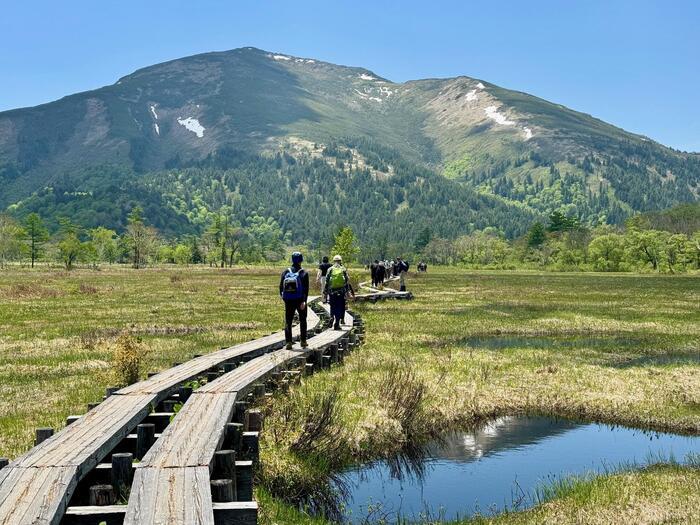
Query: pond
x=502, y=465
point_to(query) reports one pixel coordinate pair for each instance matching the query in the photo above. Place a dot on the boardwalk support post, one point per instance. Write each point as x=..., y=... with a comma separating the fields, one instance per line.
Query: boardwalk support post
x=42, y=434
x=222, y=490
x=145, y=437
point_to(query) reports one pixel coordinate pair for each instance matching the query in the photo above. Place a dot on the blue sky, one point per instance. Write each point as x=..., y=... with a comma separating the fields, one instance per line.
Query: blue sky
x=635, y=64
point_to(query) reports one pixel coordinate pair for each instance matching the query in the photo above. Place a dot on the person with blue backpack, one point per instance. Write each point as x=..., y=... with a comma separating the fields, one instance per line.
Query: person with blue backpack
x=294, y=290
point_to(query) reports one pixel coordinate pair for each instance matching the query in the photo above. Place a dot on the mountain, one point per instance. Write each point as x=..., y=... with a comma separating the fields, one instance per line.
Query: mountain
x=183, y=137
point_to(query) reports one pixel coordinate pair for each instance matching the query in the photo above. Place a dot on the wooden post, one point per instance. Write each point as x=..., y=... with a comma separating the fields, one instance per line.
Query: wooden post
x=225, y=467
x=211, y=376
x=122, y=473
x=326, y=361
x=240, y=408
x=309, y=369
x=184, y=393
x=169, y=405
x=334, y=353
x=72, y=419
x=92, y=405
x=250, y=446
x=244, y=480
x=253, y=420
x=259, y=390
x=42, y=434
x=145, y=437
x=222, y=490
x=101, y=495
x=110, y=390
x=4, y=462
x=318, y=359
x=151, y=374
x=232, y=436
x=229, y=367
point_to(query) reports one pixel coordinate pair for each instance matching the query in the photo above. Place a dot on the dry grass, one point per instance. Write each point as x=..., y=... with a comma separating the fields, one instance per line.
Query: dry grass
x=56, y=328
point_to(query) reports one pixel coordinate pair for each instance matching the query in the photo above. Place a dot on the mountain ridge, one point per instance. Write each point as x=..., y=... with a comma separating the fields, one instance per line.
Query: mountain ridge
x=511, y=146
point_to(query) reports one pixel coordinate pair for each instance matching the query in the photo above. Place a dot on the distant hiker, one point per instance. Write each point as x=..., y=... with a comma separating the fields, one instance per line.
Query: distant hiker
x=393, y=268
x=322, y=271
x=337, y=288
x=373, y=271
x=422, y=267
x=294, y=290
x=402, y=267
x=380, y=274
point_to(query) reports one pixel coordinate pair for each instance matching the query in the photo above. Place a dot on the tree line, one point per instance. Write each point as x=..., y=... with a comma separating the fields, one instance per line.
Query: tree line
x=563, y=243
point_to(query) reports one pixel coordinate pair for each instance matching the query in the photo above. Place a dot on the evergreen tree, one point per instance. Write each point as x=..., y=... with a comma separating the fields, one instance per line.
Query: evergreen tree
x=536, y=235
x=36, y=235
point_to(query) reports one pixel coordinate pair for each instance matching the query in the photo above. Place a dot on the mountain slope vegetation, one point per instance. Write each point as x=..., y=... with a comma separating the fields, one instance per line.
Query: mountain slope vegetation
x=270, y=133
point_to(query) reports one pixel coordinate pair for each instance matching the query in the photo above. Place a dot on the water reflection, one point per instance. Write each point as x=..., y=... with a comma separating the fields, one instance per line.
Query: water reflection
x=498, y=466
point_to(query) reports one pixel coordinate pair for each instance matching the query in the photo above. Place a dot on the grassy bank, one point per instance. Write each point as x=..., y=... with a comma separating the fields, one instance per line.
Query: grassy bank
x=471, y=346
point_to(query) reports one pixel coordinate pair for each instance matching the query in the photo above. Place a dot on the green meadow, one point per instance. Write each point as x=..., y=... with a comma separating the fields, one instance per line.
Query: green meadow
x=472, y=345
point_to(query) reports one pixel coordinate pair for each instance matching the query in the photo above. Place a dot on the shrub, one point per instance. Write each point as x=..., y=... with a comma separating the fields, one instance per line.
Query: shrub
x=128, y=355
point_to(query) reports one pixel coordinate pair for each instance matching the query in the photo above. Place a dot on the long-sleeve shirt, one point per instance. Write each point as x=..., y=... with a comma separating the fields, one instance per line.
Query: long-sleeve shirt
x=304, y=276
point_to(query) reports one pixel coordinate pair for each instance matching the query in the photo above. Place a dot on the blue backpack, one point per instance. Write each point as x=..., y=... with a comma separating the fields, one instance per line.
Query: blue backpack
x=291, y=286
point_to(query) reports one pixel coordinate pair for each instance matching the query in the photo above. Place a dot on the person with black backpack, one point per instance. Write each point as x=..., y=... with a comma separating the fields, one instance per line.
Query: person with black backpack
x=294, y=291
x=402, y=267
x=337, y=288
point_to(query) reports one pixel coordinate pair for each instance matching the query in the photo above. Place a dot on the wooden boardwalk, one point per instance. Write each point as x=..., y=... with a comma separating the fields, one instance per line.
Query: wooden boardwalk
x=173, y=481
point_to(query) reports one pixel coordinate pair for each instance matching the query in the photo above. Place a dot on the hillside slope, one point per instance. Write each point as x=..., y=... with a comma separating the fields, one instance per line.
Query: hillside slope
x=524, y=152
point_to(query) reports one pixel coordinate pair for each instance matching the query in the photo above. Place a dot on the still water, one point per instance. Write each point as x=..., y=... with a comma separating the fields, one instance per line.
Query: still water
x=499, y=466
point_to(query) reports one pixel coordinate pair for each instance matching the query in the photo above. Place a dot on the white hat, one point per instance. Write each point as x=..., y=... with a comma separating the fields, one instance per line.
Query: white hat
x=337, y=258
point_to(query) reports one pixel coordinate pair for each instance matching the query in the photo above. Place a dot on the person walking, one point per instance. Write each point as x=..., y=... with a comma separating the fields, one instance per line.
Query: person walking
x=337, y=288
x=380, y=274
x=402, y=268
x=294, y=291
x=322, y=271
x=373, y=271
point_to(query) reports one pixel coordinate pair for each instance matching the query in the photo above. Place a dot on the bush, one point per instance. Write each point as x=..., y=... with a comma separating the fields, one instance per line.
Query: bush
x=128, y=356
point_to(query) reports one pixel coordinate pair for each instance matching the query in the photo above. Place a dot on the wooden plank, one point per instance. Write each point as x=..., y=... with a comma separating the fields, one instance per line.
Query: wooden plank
x=40, y=499
x=173, y=496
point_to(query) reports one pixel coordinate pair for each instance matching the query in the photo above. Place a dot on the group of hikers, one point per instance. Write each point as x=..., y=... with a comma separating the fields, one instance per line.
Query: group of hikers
x=294, y=290
x=335, y=288
x=383, y=270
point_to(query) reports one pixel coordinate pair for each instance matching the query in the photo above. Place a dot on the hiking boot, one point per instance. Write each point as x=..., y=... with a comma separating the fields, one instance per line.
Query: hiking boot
x=304, y=344
x=288, y=346
x=336, y=326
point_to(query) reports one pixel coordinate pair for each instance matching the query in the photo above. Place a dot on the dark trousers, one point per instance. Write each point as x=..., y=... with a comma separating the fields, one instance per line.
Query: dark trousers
x=291, y=306
x=337, y=302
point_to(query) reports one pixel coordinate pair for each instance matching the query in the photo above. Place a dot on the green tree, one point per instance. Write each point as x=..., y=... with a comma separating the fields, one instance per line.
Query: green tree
x=70, y=248
x=678, y=252
x=104, y=242
x=345, y=244
x=607, y=252
x=423, y=238
x=646, y=247
x=536, y=235
x=182, y=254
x=36, y=235
x=11, y=234
x=140, y=239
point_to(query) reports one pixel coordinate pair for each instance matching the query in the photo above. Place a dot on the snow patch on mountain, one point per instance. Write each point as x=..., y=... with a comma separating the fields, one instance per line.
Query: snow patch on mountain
x=365, y=96
x=385, y=91
x=471, y=95
x=365, y=76
x=153, y=111
x=193, y=125
x=492, y=113
x=528, y=133
x=480, y=85
x=157, y=128
x=279, y=57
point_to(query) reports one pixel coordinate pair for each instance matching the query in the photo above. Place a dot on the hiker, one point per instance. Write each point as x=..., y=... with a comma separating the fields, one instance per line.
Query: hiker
x=373, y=271
x=380, y=274
x=294, y=290
x=402, y=267
x=322, y=271
x=337, y=288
